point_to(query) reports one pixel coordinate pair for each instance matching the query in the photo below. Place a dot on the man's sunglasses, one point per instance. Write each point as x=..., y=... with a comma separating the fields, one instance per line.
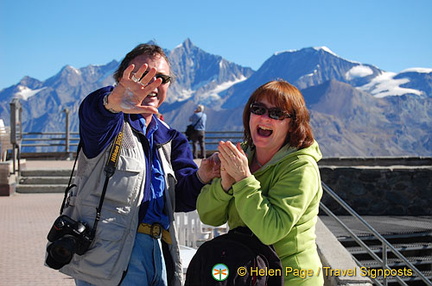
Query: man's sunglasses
x=273, y=113
x=165, y=78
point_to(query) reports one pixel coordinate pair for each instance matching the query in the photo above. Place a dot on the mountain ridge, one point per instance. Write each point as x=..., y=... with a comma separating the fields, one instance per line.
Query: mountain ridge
x=356, y=108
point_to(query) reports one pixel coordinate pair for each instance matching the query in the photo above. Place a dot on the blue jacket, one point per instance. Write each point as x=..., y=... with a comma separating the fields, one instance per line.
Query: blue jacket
x=198, y=120
x=98, y=128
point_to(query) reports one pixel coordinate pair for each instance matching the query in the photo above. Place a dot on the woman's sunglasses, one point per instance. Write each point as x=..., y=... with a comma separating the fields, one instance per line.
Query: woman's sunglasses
x=165, y=78
x=273, y=113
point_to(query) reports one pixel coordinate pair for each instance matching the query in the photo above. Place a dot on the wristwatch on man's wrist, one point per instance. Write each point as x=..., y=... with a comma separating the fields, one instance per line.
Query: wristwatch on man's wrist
x=105, y=102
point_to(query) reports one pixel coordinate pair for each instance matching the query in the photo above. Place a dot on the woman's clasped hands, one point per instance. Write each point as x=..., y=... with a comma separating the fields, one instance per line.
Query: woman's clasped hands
x=234, y=164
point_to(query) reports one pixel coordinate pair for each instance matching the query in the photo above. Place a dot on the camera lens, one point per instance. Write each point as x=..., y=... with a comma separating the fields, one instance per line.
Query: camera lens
x=61, y=251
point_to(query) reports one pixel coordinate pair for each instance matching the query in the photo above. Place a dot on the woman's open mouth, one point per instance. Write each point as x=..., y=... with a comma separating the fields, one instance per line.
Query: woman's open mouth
x=264, y=131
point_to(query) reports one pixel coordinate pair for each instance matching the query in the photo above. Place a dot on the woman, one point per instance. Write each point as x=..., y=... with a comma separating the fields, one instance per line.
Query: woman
x=271, y=183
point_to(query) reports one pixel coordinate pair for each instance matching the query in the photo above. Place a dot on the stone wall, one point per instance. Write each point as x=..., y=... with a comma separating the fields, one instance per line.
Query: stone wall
x=380, y=186
x=7, y=180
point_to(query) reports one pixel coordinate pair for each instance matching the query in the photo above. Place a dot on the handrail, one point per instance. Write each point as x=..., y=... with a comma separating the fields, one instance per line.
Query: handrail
x=49, y=139
x=56, y=139
x=62, y=141
x=384, y=242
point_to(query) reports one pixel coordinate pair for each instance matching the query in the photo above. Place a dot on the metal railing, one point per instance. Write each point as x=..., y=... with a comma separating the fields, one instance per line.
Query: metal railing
x=68, y=141
x=386, y=246
x=64, y=144
x=49, y=140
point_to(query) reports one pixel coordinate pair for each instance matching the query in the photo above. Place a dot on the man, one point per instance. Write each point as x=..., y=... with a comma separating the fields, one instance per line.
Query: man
x=135, y=241
x=198, y=120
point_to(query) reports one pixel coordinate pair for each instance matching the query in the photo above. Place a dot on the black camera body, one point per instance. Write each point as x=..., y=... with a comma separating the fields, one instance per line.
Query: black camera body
x=68, y=237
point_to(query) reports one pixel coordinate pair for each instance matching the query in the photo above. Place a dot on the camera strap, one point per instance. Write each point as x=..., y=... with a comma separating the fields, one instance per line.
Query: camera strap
x=109, y=170
x=70, y=185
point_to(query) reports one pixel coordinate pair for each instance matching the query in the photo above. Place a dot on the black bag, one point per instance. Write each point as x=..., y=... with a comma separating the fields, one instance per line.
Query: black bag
x=235, y=258
x=189, y=131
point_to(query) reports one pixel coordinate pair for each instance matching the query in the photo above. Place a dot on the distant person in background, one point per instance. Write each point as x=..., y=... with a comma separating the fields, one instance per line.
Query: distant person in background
x=198, y=120
x=271, y=183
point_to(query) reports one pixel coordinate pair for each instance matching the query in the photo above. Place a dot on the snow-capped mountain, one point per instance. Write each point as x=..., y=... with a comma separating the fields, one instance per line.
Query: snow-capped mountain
x=356, y=108
x=201, y=77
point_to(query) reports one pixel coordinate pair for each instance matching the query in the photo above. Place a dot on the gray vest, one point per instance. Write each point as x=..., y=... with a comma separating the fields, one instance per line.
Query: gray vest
x=108, y=257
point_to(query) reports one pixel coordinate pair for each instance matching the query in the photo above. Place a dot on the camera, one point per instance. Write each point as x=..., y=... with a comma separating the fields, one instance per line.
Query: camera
x=68, y=237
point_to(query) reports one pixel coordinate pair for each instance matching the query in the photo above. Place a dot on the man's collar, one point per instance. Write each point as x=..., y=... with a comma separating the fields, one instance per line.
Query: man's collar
x=162, y=135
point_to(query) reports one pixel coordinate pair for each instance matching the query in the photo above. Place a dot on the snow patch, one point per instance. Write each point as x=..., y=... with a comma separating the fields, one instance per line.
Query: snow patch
x=73, y=69
x=185, y=94
x=326, y=49
x=25, y=93
x=213, y=95
x=386, y=85
x=286, y=51
x=358, y=72
x=310, y=74
x=228, y=84
x=222, y=64
x=417, y=70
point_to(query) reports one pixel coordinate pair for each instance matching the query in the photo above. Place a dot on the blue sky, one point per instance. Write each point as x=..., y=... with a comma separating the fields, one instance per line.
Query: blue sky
x=38, y=38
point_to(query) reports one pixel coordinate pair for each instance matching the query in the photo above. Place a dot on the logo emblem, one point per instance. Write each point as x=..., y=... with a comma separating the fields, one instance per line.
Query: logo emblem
x=220, y=272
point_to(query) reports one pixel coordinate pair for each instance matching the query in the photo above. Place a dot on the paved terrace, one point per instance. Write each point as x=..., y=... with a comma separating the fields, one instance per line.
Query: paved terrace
x=25, y=220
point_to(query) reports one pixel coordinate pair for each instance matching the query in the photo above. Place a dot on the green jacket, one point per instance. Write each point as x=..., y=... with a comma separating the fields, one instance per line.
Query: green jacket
x=279, y=203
